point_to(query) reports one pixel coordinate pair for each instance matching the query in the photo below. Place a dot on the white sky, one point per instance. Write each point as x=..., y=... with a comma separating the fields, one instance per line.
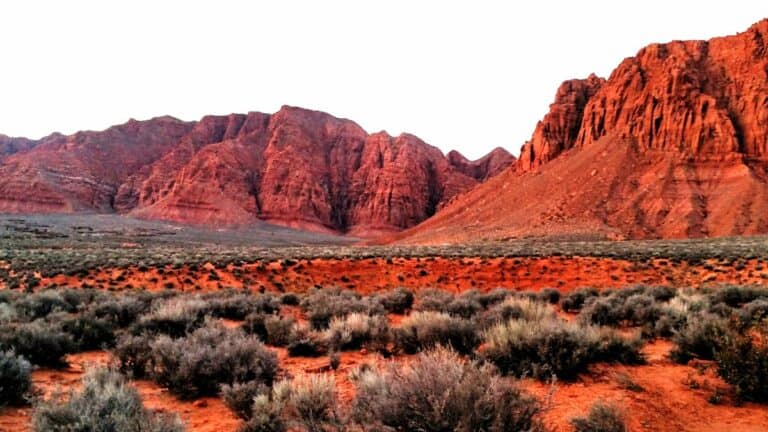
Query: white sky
x=461, y=75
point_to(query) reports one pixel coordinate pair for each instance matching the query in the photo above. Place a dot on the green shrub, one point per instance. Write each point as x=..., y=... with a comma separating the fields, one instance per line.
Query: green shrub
x=602, y=417
x=551, y=347
x=441, y=391
x=15, y=381
x=105, y=403
x=423, y=330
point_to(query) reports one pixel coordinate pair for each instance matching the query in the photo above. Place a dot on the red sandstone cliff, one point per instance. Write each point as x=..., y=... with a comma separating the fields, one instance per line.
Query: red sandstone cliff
x=673, y=144
x=296, y=167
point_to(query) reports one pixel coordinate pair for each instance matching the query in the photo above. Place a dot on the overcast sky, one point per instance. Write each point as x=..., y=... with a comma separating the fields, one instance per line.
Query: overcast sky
x=461, y=75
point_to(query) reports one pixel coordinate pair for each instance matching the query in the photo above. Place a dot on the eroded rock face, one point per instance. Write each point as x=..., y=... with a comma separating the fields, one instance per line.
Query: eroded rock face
x=484, y=168
x=674, y=144
x=296, y=167
x=560, y=128
x=693, y=98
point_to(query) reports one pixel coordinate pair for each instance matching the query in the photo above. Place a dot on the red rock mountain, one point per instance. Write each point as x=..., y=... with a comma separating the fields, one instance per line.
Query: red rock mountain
x=673, y=144
x=297, y=167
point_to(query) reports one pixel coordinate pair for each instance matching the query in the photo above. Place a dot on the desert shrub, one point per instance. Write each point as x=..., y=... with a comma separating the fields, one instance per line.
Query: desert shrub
x=700, y=338
x=516, y=308
x=573, y=301
x=7, y=313
x=753, y=312
x=602, y=417
x=278, y=330
x=441, y=391
x=237, y=305
x=305, y=342
x=549, y=295
x=742, y=361
x=121, y=311
x=306, y=403
x=493, y=297
x=312, y=402
x=174, y=317
x=355, y=330
x=422, y=330
x=105, y=403
x=89, y=332
x=41, y=343
x=735, y=295
x=465, y=305
x=323, y=304
x=15, y=378
x=396, y=301
x=615, y=310
x=661, y=293
x=290, y=299
x=133, y=354
x=255, y=324
x=40, y=304
x=201, y=362
x=238, y=397
x=551, y=347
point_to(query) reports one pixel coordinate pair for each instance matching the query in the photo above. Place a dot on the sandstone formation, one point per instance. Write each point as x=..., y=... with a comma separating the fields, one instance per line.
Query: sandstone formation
x=297, y=167
x=673, y=144
x=484, y=168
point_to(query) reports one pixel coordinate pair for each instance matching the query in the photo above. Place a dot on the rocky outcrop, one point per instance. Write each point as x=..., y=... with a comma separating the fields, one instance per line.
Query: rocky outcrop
x=673, y=144
x=484, y=168
x=560, y=128
x=297, y=167
x=9, y=145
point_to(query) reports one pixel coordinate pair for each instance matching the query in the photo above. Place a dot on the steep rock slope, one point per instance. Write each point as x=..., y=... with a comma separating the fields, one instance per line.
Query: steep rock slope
x=673, y=144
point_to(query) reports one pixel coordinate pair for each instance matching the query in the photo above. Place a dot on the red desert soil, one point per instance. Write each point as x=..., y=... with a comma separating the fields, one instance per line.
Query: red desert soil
x=673, y=397
x=376, y=274
x=202, y=415
x=668, y=401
